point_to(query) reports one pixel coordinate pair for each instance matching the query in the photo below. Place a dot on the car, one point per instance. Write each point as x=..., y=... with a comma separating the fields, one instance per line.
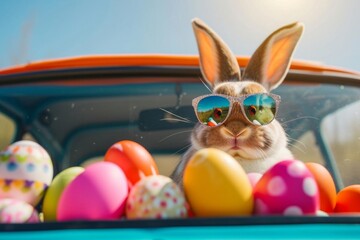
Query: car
x=76, y=108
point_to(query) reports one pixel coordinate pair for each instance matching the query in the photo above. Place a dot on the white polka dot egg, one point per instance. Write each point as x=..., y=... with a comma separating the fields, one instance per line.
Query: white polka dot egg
x=17, y=211
x=156, y=197
x=25, y=171
x=288, y=188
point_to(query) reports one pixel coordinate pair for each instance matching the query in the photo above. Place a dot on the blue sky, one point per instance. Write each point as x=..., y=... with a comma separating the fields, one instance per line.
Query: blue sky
x=36, y=30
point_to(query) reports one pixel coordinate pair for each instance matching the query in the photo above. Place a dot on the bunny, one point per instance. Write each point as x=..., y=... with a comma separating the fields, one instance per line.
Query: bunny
x=256, y=147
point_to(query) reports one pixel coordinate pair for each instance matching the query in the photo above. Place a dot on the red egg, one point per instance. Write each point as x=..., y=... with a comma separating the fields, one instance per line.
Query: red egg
x=348, y=200
x=133, y=159
x=326, y=185
x=288, y=188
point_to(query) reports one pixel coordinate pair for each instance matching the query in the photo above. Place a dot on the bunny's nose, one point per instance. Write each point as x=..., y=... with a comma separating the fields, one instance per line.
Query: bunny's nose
x=236, y=129
x=236, y=122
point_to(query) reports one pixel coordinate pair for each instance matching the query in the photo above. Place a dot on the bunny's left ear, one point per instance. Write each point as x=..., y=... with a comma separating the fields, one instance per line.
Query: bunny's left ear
x=271, y=61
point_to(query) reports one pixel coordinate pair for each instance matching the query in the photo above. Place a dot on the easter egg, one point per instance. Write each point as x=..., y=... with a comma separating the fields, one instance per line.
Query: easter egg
x=55, y=190
x=133, y=159
x=326, y=185
x=216, y=185
x=348, y=200
x=17, y=211
x=254, y=178
x=321, y=213
x=156, y=197
x=26, y=171
x=287, y=188
x=98, y=193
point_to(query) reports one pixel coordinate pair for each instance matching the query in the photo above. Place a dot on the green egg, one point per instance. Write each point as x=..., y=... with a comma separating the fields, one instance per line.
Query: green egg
x=55, y=190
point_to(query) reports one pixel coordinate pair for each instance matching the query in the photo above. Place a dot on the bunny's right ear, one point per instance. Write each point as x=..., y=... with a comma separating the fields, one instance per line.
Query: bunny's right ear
x=217, y=62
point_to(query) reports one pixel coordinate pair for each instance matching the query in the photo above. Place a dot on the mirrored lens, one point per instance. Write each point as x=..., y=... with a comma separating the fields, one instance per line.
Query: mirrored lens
x=260, y=109
x=212, y=110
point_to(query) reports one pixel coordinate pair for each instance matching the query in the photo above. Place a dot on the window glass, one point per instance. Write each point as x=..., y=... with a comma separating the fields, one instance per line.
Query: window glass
x=7, y=130
x=342, y=132
x=306, y=149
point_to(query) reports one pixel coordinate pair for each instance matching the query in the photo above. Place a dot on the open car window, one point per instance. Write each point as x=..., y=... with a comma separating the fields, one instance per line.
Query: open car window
x=7, y=130
x=77, y=123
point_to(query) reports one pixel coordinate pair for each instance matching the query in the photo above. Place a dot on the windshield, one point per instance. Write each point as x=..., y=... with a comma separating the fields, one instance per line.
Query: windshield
x=78, y=123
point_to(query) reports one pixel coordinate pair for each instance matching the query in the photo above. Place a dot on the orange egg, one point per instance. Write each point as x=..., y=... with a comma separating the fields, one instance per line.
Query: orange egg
x=133, y=159
x=326, y=186
x=348, y=200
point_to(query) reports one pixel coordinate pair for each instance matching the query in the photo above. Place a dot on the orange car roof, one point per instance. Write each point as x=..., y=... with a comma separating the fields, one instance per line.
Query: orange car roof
x=145, y=60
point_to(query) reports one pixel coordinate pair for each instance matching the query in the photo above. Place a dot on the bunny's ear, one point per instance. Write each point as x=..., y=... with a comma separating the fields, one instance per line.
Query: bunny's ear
x=271, y=61
x=217, y=62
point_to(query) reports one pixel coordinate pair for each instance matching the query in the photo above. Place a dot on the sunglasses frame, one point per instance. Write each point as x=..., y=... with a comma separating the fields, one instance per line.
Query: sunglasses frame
x=232, y=100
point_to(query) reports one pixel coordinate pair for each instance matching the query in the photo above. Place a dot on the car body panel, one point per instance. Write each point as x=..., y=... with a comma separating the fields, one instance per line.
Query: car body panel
x=147, y=60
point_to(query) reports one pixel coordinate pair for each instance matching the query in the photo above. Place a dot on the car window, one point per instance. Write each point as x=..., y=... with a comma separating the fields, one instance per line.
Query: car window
x=78, y=123
x=342, y=131
x=306, y=149
x=7, y=130
x=305, y=111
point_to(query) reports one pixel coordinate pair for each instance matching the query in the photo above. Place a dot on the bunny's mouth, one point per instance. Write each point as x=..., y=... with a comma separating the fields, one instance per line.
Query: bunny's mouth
x=242, y=153
x=235, y=144
x=237, y=155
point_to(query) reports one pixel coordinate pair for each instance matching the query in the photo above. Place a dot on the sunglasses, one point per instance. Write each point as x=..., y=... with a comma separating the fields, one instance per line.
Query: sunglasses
x=214, y=109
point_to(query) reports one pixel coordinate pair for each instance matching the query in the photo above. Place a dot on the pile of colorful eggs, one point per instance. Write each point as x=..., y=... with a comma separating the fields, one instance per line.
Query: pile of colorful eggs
x=127, y=184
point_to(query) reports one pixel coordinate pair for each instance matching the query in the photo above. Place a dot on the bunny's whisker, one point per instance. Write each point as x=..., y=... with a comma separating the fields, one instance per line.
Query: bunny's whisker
x=298, y=148
x=300, y=118
x=297, y=141
x=203, y=82
x=262, y=153
x=175, y=115
x=174, y=134
x=293, y=129
x=181, y=149
x=176, y=120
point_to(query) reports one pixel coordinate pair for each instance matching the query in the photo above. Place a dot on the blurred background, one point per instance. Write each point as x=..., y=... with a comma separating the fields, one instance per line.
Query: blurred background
x=42, y=29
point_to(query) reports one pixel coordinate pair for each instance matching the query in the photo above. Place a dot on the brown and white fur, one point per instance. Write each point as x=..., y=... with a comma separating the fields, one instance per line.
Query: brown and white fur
x=256, y=148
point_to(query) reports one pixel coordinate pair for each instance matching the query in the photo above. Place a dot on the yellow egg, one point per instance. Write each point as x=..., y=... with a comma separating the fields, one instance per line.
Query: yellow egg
x=216, y=185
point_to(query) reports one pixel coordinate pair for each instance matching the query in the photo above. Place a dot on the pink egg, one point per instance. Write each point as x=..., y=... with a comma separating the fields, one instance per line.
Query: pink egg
x=17, y=211
x=254, y=178
x=99, y=193
x=288, y=188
